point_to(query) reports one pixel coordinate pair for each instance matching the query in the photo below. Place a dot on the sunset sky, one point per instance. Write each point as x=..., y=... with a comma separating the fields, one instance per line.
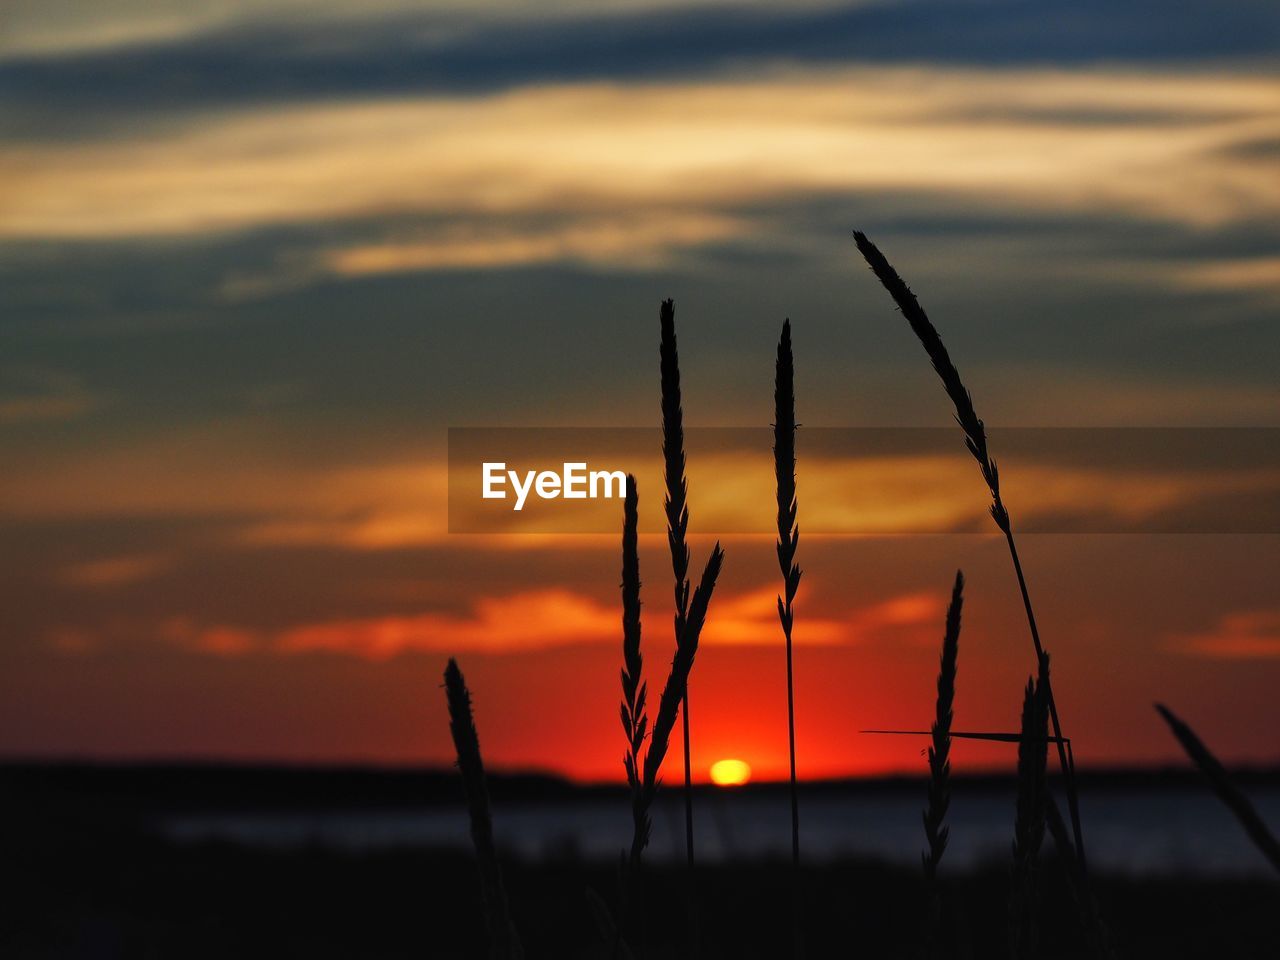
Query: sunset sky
x=258, y=256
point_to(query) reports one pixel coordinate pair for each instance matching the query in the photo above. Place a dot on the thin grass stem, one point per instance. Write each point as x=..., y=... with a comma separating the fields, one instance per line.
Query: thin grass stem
x=784, y=461
x=935, y=814
x=504, y=944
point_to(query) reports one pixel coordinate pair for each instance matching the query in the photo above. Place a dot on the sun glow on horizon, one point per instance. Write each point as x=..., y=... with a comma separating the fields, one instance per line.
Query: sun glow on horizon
x=730, y=772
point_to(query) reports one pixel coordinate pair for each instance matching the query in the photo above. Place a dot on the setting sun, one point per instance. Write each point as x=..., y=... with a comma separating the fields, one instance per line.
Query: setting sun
x=730, y=773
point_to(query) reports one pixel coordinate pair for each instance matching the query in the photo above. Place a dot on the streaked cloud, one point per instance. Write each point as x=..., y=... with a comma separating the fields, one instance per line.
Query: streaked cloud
x=228, y=470
x=101, y=65
x=631, y=241
x=752, y=618
x=260, y=496
x=1057, y=482
x=606, y=157
x=39, y=396
x=520, y=621
x=114, y=571
x=1248, y=635
x=1259, y=275
x=38, y=28
x=528, y=621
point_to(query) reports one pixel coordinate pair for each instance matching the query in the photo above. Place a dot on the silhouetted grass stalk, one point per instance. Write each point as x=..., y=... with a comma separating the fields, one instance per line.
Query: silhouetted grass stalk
x=669, y=703
x=976, y=441
x=935, y=814
x=784, y=462
x=504, y=944
x=1224, y=786
x=1029, y=826
x=635, y=721
x=677, y=510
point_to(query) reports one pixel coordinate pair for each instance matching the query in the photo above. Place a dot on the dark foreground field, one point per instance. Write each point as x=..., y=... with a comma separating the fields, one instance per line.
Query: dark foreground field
x=87, y=875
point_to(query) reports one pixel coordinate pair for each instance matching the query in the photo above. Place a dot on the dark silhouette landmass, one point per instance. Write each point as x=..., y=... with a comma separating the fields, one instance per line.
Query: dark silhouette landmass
x=89, y=877
x=176, y=787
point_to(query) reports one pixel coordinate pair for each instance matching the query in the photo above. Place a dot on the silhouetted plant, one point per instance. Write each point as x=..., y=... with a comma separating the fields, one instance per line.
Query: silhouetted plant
x=635, y=721
x=677, y=510
x=784, y=464
x=504, y=944
x=1029, y=824
x=672, y=694
x=1224, y=786
x=976, y=440
x=935, y=814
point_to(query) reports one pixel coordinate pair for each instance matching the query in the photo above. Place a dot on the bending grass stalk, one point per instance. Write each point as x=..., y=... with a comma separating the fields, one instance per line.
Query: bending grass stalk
x=784, y=462
x=1029, y=825
x=669, y=703
x=504, y=944
x=1224, y=786
x=976, y=440
x=677, y=510
x=935, y=814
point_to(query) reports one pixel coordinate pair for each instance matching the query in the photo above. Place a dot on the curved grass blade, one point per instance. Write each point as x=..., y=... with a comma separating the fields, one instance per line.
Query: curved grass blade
x=1224, y=786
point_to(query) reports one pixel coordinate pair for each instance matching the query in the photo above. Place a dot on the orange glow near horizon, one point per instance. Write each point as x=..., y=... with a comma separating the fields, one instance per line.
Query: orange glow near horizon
x=542, y=658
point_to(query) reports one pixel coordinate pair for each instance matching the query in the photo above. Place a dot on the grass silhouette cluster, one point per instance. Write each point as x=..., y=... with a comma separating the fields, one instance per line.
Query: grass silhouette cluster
x=646, y=743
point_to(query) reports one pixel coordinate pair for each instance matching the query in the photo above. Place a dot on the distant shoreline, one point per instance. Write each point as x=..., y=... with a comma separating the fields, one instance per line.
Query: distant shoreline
x=209, y=785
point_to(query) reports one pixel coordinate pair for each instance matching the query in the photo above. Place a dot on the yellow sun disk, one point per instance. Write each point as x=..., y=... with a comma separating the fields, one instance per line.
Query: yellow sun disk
x=730, y=773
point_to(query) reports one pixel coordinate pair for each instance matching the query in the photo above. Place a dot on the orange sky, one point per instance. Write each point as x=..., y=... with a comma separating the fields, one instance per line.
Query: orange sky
x=1129, y=619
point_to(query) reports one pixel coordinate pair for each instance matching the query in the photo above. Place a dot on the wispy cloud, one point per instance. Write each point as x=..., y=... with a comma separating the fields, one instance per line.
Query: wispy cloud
x=37, y=396
x=1247, y=635
x=589, y=153
x=111, y=572
x=751, y=619
x=230, y=473
x=1061, y=481
x=630, y=241
x=70, y=27
x=526, y=621
x=1260, y=275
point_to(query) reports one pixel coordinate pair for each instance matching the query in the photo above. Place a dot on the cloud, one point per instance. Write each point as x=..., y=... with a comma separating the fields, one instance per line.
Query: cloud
x=543, y=619
x=219, y=641
x=43, y=396
x=522, y=621
x=114, y=571
x=751, y=618
x=639, y=240
x=534, y=620
x=35, y=28
x=578, y=163
x=1260, y=275
x=1249, y=635
x=888, y=482
x=236, y=472
x=99, y=60
x=867, y=482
